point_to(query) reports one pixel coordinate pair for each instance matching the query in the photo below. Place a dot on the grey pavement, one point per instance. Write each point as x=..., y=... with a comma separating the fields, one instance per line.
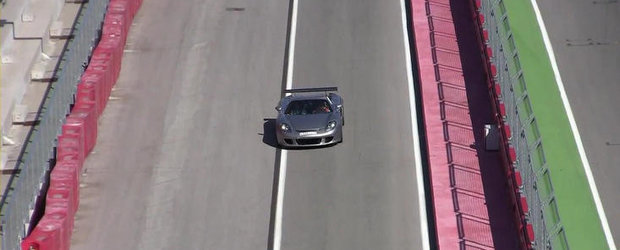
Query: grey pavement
x=180, y=161
x=184, y=158
x=360, y=194
x=586, y=40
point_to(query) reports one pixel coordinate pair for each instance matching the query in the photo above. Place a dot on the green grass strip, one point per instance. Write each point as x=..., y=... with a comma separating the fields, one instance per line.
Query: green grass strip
x=575, y=202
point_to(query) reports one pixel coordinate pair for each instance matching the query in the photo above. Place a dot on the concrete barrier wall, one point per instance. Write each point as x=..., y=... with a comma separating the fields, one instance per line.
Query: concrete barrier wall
x=24, y=195
x=79, y=132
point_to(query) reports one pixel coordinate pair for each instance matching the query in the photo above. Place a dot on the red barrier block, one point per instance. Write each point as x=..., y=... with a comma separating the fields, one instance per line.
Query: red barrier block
x=68, y=166
x=46, y=235
x=530, y=232
x=493, y=71
x=105, y=53
x=113, y=44
x=478, y=4
x=92, y=83
x=114, y=30
x=62, y=195
x=117, y=19
x=75, y=129
x=108, y=55
x=93, y=75
x=69, y=157
x=523, y=203
x=518, y=179
x=507, y=131
x=498, y=90
x=66, y=178
x=481, y=19
x=59, y=204
x=70, y=145
x=485, y=35
x=62, y=216
x=108, y=75
x=502, y=110
x=121, y=7
x=133, y=5
x=89, y=93
x=107, y=64
x=489, y=51
x=85, y=113
x=512, y=154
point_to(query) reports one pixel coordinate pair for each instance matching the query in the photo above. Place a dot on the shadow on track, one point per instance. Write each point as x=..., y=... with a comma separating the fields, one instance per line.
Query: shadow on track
x=269, y=132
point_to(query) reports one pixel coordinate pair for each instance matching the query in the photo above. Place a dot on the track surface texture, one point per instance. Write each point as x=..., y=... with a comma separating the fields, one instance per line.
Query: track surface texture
x=185, y=157
x=587, y=50
x=360, y=194
x=180, y=162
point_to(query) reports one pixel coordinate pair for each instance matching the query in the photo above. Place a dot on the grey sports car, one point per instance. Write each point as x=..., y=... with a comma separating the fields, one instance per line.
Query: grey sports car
x=307, y=118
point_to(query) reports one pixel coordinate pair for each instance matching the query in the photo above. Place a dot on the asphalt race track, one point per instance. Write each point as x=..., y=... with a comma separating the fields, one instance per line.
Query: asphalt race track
x=185, y=157
x=360, y=194
x=180, y=162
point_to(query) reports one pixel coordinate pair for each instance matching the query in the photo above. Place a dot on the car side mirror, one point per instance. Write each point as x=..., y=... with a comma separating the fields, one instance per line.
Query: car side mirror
x=278, y=108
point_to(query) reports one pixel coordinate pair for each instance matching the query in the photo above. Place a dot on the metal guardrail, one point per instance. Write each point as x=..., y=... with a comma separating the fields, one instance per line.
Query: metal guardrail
x=526, y=140
x=34, y=163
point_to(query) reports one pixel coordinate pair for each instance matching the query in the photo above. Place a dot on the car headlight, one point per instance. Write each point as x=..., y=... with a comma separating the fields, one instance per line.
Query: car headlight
x=331, y=125
x=285, y=127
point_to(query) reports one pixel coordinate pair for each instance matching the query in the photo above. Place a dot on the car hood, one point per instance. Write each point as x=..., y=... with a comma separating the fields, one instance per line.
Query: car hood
x=309, y=122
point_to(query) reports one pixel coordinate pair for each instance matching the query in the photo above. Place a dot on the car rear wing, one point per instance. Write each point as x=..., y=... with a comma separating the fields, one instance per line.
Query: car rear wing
x=309, y=90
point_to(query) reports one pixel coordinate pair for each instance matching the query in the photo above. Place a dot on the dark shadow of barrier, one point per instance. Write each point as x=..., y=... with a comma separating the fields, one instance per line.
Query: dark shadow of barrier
x=494, y=181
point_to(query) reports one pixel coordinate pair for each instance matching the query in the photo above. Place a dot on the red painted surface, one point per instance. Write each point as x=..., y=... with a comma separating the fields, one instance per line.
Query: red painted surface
x=468, y=184
x=445, y=219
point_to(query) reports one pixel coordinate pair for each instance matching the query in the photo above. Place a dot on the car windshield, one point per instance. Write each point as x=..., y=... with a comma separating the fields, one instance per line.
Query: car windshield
x=308, y=107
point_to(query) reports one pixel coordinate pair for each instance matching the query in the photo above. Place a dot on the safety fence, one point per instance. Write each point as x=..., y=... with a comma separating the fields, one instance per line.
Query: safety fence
x=535, y=203
x=72, y=137
x=24, y=189
x=79, y=132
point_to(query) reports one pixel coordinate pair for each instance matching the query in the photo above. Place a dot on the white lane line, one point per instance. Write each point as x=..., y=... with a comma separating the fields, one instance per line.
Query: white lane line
x=291, y=48
x=573, y=125
x=277, y=238
x=414, y=132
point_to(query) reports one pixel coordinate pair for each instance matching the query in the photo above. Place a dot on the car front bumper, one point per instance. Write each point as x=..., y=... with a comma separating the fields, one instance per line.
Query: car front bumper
x=297, y=139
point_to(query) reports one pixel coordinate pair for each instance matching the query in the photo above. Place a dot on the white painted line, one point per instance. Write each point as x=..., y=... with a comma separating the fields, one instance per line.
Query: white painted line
x=277, y=236
x=414, y=132
x=573, y=125
x=291, y=48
